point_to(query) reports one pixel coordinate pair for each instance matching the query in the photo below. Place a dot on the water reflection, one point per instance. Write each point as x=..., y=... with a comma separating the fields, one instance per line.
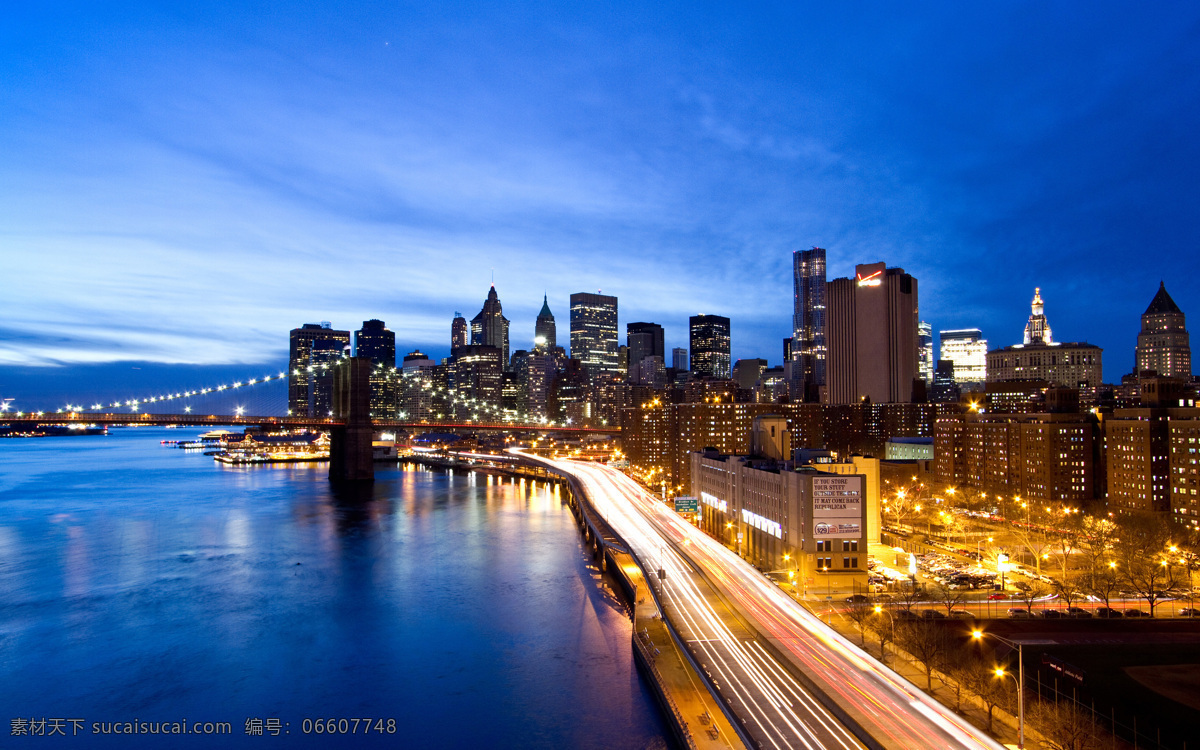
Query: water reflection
x=144, y=581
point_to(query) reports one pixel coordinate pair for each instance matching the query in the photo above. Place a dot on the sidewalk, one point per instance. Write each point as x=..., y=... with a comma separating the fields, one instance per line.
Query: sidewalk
x=686, y=694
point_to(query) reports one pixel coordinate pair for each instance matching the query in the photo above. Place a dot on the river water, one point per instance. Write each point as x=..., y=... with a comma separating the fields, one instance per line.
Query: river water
x=141, y=583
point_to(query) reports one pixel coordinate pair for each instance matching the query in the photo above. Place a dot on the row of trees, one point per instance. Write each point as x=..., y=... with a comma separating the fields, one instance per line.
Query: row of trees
x=1098, y=555
x=967, y=670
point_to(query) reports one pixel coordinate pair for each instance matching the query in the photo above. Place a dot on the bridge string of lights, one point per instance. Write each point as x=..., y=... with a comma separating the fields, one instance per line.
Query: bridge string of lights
x=476, y=406
x=136, y=404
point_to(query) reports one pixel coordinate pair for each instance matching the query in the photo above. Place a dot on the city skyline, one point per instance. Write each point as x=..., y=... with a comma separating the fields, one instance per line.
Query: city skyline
x=185, y=189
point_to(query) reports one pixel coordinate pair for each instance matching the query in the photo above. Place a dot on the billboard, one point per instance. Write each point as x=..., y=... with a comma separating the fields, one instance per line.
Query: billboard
x=837, y=507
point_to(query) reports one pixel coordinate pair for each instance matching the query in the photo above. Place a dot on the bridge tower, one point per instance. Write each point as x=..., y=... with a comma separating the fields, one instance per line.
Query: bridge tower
x=350, y=454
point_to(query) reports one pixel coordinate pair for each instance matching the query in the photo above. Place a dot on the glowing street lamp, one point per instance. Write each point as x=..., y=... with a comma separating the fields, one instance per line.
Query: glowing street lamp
x=1019, y=679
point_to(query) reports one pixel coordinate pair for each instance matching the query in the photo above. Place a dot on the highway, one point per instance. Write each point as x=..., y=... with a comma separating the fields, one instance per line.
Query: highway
x=770, y=702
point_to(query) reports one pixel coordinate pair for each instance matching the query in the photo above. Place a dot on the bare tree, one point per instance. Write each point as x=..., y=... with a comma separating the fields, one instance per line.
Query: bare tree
x=1144, y=560
x=1065, y=541
x=883, y=625
x=950, y=598
x=1186, y=549
x=956, y=664
x=925, y=641
x=1105, y=583
x=860, y=613
x=992, y=690
x=1031, y=592
x=1068, y=591
x=1064, y=726
x=1096, y=544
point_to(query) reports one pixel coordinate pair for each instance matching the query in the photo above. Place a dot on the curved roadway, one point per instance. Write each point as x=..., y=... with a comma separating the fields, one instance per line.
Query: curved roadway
x=770, y=702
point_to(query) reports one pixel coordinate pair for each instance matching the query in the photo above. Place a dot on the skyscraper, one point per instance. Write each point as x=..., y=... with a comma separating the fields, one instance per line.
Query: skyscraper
x=871, y=332
x=594, y=334
x=460, y=334
x=967, y=349
x=679, y=359
x=301, y=371
x=543, y=330
x=1163, y=344
x=709, y=345
x=1074, y=365
x=644, y=340
x=375, y=342
x=1037, y=330
x=808, y=323
x=925, y=352
x=490, y=327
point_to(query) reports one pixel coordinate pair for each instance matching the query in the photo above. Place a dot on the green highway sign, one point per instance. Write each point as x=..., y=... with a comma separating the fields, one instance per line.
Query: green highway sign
x=685, y=504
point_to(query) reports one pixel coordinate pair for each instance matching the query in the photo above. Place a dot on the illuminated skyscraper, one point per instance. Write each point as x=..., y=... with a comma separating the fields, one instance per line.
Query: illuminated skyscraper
x=1073, y=364
x=460, y=334
x=871, y=331
x=544, y=330
x=490, y=327
x=375, y=342
x=301, y=369
x=967, y=349
x=594, y=334
x=808, y=323
x=1163, y=344
x=709, y=345
x=925, y=352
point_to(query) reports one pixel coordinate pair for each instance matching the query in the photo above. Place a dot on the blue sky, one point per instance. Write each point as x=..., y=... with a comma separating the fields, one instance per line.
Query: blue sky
x=184, y=185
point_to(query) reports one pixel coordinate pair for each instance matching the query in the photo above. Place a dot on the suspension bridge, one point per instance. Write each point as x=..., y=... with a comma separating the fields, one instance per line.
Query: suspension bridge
x=350, y=423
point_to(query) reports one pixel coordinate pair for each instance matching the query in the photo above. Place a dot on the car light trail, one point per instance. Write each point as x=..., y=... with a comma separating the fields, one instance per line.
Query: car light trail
x=772, y=704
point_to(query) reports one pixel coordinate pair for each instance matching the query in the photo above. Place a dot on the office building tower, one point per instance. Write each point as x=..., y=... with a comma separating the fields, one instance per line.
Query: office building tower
x=325, y=355
x=808, y=323
x=1162, y=344
x=544, y=338
x=1074, y=365
x=416, y=392
x=300, y=362
x=679, y=359
x=643, y=340
x=460, y=333
x=709, y=344
x=490, y=327
x=594, y=335
x=746, y=372
x=944, y=390
x=967, y=349
x=375, y=342
x=925, y=352
x=871, y=334
x=1037, y=330
x=478, y=377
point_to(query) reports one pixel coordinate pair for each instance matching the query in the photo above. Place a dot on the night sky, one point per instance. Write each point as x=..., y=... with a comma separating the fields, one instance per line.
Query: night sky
x=186, y=185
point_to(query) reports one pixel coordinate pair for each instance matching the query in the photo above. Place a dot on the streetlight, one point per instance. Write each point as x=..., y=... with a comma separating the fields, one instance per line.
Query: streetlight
x=1019, y=679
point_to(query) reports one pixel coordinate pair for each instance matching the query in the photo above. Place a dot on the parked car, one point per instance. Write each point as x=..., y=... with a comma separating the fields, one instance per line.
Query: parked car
x=1018, y=613
x=1189, y=612
x=962, y=614
x=858, y=598
x=884, y=597
x=933, y=614
x=1136, y=613
x=997, y=596
x=1107, y=612
x=906, y=614
x=1051, y=614
x=1079, y=613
